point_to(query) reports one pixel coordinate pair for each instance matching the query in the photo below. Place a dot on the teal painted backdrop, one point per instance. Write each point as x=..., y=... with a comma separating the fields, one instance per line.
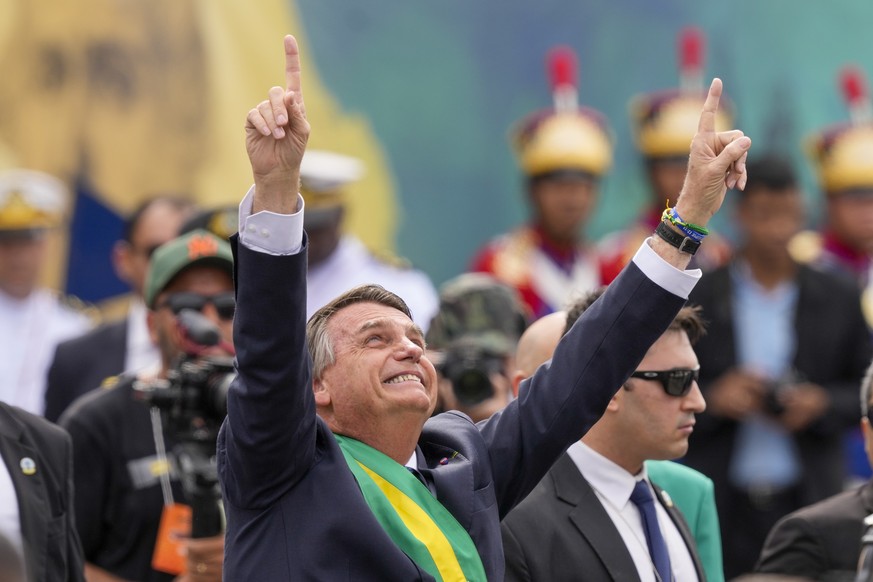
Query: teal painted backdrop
x=441, y=83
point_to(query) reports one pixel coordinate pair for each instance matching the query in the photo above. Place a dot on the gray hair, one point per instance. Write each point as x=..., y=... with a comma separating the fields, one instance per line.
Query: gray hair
x=865, y=390
x=317, y=338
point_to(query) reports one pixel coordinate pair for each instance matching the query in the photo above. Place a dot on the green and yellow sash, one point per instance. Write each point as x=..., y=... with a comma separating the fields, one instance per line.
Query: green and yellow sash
x=415, y=520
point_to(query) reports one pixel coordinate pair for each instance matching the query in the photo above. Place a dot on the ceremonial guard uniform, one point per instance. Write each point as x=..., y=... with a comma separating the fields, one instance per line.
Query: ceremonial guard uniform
x=339, y=261
x=665, y=122
x=845, y=170
x=563, y=152
x=33, y=320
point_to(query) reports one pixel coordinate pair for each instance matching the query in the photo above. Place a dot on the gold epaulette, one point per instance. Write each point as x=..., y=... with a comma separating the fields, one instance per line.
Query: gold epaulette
x=78, y=305
x=806, y=246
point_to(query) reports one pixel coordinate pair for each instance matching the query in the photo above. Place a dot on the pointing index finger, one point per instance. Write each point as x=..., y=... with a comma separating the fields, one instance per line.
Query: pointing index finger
x=292, y=65
x=710, y=107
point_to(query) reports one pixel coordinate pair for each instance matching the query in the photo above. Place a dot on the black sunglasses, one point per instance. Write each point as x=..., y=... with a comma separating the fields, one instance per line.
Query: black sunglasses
x=224, y=303
x=675, y=382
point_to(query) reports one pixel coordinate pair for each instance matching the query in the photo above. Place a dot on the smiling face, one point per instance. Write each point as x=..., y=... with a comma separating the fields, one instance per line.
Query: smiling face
x=654, y=424
x=380, y=375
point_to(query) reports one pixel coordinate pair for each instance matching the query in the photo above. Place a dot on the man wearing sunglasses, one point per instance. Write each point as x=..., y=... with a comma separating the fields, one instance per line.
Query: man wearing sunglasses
x=582, y=520
x=123, y=485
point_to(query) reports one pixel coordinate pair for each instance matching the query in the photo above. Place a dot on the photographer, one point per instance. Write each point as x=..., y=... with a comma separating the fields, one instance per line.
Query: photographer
x=123, y=482
x=473, y=338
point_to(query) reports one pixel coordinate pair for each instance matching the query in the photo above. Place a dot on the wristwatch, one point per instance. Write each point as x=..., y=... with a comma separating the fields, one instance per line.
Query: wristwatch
x=675, y=239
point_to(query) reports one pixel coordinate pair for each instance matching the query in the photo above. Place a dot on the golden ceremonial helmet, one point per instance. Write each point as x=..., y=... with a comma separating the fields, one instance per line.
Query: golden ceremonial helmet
x=843, y=153
x=566, y=137
x=666, y=121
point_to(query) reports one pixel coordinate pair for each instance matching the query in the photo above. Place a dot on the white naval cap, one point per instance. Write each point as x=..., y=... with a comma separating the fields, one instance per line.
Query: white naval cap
x=31, y=201
x=326, y=172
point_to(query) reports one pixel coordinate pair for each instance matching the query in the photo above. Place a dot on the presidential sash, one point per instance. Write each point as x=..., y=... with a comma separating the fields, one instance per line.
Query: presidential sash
x=412, y=517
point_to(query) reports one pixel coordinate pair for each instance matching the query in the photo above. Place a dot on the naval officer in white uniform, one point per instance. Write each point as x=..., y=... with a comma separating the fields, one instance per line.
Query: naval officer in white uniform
x=33, y=320
x=339, y=261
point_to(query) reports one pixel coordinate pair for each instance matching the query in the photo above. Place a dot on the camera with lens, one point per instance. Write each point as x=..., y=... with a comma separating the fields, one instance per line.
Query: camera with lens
x=192, y=401
x=774, y=389
x=469, y=365
x=193, y=398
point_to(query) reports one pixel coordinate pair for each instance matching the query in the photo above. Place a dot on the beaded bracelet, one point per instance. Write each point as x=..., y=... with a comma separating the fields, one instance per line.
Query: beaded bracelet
x=693, y=231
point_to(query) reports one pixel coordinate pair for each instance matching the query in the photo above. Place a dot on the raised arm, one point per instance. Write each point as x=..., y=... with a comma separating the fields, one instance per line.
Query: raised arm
x=562, y=401
x=268, y=440
x=276, y=136
x=717, y=162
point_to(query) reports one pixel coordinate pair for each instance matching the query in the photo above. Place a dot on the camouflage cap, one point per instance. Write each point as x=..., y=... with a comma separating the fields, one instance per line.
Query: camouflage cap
x=478, y=307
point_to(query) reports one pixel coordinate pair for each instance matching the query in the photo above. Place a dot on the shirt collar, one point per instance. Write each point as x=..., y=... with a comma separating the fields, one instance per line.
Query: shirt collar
x=607, y=478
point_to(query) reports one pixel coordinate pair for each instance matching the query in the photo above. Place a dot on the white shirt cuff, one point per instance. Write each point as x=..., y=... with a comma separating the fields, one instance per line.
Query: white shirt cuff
x=270, y=232
x=664, y=274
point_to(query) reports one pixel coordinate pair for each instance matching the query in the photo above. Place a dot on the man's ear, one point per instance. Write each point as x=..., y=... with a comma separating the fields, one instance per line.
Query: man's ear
x=152, y=326
x=322, y=394
x=121, y=257
x=615, y=402
x=516, y=382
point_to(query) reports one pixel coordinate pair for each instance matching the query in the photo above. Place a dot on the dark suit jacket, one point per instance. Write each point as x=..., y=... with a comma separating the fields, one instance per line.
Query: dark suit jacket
x=83, y=363
x=833, y=350
x=822, y=541
x=294, y=510
x=562, y=532
x=45, y=498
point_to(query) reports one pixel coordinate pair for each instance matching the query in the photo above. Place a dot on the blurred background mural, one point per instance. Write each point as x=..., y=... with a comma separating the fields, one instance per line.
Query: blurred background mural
x=126, y=99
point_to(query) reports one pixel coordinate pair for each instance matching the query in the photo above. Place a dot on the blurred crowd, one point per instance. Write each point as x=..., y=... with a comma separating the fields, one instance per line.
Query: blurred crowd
x=781, y=414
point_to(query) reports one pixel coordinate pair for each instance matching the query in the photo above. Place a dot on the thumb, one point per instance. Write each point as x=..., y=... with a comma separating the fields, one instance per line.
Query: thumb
x=733, y=152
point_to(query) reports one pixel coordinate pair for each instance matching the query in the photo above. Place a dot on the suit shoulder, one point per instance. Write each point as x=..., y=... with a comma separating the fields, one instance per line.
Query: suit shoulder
x=828, y=281
x=104, y=332
x=110, y=401
x=37, y=425
x=847, y=506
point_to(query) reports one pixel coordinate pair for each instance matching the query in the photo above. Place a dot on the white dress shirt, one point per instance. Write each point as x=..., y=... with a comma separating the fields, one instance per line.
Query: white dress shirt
x=613, y=486
x=141, y=353
x=30, y=330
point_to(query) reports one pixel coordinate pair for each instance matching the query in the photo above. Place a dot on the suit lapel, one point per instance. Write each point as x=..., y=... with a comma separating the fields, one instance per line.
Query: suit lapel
x=680, y=523
x=591, y=520
x=29, y=489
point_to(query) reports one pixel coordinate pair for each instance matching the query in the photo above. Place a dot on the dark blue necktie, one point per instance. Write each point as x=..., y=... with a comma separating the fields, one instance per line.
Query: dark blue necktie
x=642, y=498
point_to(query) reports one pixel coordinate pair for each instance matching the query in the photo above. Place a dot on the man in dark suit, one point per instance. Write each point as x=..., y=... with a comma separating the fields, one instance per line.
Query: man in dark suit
x=324, y=422
x=786, y=348
x=692, y=492
x=823, y=541
x=36, y=496
x=85, y=362
x=583, y=516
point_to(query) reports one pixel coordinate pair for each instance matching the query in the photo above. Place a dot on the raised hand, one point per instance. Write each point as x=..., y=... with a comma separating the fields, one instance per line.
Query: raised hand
x=717, y=162
x=276, y=136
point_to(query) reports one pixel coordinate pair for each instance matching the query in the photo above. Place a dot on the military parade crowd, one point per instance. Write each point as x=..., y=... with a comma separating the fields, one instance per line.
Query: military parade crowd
x=664, y=403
